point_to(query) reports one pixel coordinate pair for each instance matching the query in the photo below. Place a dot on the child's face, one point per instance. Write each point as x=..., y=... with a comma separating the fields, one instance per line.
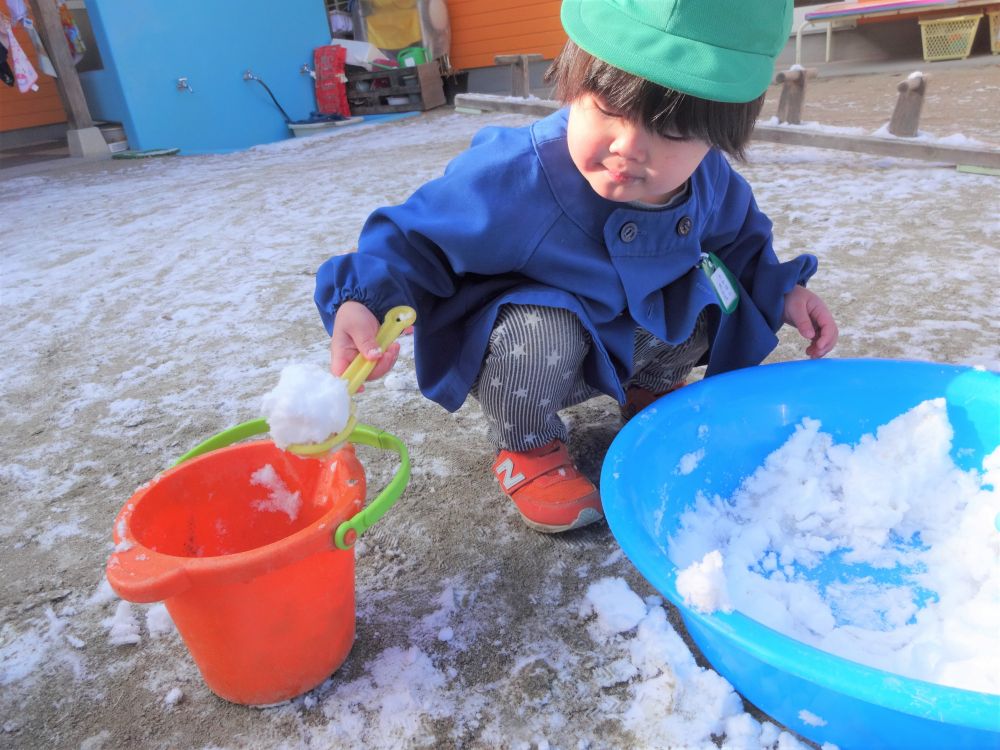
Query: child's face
x=624, y=161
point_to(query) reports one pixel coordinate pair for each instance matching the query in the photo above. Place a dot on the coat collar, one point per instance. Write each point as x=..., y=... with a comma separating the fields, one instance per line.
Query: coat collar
x=577, y=199
x=572, y=192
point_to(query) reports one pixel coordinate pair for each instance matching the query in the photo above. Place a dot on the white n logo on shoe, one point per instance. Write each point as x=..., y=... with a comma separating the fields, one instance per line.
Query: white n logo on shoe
x=506, y=476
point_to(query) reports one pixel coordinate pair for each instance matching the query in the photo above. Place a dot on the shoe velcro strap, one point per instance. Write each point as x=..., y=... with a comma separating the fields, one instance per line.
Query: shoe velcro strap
x=533, y=467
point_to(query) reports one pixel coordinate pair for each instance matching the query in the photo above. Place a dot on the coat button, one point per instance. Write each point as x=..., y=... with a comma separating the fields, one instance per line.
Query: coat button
x=684, y=226
x=629, y=231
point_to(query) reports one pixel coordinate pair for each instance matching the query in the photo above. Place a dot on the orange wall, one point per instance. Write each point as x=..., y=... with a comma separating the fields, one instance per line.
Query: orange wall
x=42, y=107
x=481, y=29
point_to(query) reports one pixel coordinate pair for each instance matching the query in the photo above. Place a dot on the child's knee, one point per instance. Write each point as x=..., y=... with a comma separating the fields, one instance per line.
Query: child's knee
x=539, y=332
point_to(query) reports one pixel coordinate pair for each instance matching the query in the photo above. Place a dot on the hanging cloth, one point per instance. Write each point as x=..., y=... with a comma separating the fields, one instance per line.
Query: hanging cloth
x=18, y=11
x=19, y=15
x=24, y=72
x=76, y=46
x=44, y=63
x=6, y=74
x=393, y=24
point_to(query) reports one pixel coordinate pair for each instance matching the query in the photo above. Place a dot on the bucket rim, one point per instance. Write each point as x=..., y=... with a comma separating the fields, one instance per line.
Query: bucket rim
x=125, y=514
x=171, y=574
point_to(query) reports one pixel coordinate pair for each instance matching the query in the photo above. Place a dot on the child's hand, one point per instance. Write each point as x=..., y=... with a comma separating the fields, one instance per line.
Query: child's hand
x=809, y=314
x=354, y=330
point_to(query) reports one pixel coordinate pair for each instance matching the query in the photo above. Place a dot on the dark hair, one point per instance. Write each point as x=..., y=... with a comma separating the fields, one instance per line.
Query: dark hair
x=725, y=125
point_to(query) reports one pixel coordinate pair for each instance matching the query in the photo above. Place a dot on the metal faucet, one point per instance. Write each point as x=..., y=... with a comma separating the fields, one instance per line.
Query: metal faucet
x=182, y=84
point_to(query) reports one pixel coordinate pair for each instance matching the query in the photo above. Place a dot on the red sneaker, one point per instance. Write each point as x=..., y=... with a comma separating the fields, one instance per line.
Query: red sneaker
x=548, y=490
x=637, y=399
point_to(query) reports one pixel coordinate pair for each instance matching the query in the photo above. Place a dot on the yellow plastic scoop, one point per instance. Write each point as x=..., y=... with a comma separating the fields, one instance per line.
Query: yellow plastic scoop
x=395, y=322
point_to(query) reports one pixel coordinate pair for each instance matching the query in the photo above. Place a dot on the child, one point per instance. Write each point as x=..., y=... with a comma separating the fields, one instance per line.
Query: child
x=608, y=248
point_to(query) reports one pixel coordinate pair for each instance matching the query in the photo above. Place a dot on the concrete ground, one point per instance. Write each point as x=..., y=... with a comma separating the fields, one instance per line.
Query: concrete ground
x=908, y=264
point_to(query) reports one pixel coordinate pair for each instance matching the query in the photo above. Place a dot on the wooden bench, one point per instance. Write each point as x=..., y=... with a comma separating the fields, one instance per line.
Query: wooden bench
x=878, y=10
x=520, y=80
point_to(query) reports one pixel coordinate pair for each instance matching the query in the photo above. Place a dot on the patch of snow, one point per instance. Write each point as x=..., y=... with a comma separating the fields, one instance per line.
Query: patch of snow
x=122, y=626
x=280, y=499
x=893, y=501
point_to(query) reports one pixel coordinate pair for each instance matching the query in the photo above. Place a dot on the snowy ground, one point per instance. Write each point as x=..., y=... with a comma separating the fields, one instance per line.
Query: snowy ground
x=150, y=304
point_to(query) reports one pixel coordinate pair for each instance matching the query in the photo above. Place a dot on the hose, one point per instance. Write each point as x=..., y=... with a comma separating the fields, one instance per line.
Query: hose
x=249, y=76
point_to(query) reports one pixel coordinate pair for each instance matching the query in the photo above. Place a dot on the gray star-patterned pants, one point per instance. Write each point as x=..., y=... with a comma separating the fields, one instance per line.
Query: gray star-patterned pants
x=534, y=367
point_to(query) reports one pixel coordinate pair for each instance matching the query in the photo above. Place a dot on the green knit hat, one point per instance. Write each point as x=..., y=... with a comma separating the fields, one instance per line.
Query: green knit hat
x=723, y=50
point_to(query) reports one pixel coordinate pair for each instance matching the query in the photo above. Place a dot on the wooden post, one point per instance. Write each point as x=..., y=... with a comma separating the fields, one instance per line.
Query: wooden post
x=83, y=137
x=520, y=74
x=906, y=115
x=793, y=93
x=968, y=159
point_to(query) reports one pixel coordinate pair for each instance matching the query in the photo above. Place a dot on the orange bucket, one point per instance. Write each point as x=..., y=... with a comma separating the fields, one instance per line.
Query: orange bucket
x=255, y=564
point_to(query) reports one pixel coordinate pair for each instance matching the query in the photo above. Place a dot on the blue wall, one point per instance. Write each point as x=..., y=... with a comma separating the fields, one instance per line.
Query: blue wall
x=146, y=45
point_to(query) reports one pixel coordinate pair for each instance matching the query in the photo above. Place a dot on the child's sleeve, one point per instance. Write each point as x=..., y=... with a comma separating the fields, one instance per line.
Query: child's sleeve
x=459, y=224
x=742, y=238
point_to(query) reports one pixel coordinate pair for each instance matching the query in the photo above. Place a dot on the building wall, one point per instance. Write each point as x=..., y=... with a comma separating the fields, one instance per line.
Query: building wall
x=35, y=108
x=146, y=45
x=481, y=29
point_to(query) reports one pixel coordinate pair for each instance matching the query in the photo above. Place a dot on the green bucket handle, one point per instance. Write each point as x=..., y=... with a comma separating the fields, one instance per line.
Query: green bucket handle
x=349, y=531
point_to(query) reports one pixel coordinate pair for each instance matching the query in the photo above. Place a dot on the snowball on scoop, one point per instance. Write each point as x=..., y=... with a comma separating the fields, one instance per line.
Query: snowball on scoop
x=308, y=405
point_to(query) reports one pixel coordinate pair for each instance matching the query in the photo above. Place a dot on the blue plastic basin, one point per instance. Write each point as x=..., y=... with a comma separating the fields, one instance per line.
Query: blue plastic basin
x=749, y=414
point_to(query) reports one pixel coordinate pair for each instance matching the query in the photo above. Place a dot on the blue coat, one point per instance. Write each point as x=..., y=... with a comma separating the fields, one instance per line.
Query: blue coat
x=512, y=220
